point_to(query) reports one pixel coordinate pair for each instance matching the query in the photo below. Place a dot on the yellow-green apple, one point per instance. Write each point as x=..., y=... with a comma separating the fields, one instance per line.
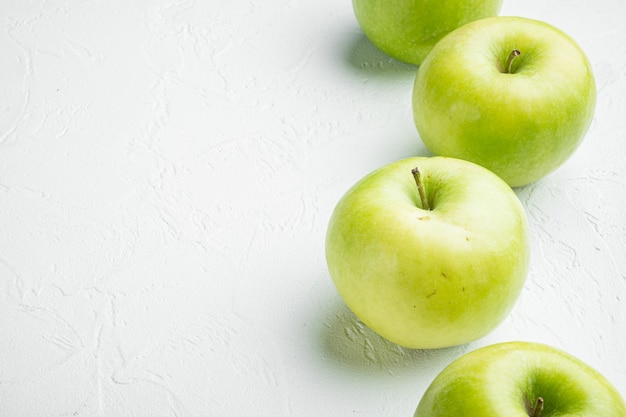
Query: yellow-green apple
x=408, y=29
x=512, y=94
x=429, y=257
x=520, y=379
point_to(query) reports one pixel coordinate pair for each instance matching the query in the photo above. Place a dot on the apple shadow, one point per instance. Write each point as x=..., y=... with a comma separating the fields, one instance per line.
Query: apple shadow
x=357, y=55
x=360, y=55
x=349, y=344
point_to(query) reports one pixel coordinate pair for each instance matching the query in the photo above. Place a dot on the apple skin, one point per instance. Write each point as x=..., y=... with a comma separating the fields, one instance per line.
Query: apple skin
x=429, y=278
x=500, y=379
x=521, y=125
x=408, y=29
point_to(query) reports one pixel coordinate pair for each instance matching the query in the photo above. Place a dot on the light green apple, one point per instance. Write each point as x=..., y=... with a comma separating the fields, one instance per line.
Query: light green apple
x=408, y=29
x=432, y=268
x=520, y=379
x=512, y=94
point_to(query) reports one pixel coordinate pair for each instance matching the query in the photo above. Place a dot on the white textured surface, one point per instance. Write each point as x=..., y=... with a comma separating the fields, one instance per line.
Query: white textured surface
x=167, y=169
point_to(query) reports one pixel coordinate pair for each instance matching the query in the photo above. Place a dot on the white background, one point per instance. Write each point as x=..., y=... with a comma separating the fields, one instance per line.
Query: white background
x=167, y=171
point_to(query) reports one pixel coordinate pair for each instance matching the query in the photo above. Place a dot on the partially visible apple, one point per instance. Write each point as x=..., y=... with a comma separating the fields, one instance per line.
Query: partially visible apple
x=408, y=29
x=512, y=94
x=520, y=379
x=429, y=258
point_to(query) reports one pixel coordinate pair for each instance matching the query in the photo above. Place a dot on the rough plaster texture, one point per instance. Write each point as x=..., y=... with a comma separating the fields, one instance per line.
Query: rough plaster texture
x=167, y=170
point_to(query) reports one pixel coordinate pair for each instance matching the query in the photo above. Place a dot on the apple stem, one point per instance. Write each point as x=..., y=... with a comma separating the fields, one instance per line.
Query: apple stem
x=509, y=62
x=420, y=188
x=538, y=407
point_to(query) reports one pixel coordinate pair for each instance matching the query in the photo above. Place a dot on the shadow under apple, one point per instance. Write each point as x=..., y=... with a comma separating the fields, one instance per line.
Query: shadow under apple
x=350, y=344
x=363, y=56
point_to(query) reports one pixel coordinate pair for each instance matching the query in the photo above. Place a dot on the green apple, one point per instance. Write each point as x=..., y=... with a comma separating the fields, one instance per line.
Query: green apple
x=408, y=29
x=520, y=379
x=432, y=257
x=512, y=94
